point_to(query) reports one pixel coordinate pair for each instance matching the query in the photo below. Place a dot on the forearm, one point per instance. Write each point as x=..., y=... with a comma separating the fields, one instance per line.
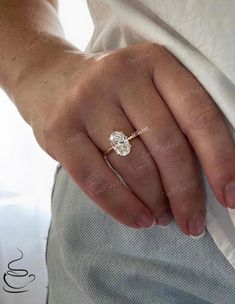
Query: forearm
x=29, y=32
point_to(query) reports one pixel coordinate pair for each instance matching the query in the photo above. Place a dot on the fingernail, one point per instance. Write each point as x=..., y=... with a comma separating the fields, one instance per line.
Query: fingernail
x=146, y=220
x=198, y=237
x=154, y=223
x=165, y=220
x=229, y=194
x=196, y=225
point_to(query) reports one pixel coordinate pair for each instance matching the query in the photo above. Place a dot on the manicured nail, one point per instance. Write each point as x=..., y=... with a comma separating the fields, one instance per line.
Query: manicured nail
x=146, y=220
x=165, y=220
x=198, y=237
x=164, y=227
x=229, y=194
x=154, y=223
x=196, y=225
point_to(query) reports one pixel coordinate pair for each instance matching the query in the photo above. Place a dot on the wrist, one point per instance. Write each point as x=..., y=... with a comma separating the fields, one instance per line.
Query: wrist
x=36, y=58
x=44, y=78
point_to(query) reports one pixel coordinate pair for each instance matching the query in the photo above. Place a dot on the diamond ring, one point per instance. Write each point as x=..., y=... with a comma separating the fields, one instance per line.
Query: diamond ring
x=121, y=143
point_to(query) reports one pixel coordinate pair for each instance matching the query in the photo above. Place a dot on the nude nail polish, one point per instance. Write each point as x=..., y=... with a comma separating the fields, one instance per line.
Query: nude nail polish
x=165, y=220
x=229, y=194
x=146, y=220
x=196, y=225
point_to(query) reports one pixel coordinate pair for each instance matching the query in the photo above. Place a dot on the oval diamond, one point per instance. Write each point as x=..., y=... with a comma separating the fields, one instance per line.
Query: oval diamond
x=120, y=143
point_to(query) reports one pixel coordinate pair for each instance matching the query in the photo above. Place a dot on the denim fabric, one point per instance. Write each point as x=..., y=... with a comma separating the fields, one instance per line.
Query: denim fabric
x=92, y=258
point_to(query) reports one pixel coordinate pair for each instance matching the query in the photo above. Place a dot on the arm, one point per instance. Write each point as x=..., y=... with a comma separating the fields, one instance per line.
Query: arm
x=30, y=36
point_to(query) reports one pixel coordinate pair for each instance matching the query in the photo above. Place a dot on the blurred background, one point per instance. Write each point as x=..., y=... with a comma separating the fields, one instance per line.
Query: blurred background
x=26, y=180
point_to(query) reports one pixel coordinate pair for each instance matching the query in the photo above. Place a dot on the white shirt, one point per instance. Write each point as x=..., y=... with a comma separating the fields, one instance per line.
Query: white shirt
x=201, y=34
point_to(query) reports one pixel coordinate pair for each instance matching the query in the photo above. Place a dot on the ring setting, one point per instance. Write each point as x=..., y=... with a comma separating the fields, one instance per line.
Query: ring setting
x=120, y=143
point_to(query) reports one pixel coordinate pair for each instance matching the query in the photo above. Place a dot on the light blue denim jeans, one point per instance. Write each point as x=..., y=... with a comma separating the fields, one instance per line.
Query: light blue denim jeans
x=92, y=258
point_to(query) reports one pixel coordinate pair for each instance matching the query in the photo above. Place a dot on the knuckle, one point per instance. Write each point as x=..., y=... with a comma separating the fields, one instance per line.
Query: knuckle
x=174, y=151
x=183, y=196
x=62, y=135
x=96, y=183
x=77, y=98
x=224, y=164
x=69, y=141
x=138, y=168
x=140, y=53
x=113, y=64
x=155, y=47
x=93, y=182
x=112, y=71
x=159, y=53
x=63, y=129
x=204, y=116
x=171, y=148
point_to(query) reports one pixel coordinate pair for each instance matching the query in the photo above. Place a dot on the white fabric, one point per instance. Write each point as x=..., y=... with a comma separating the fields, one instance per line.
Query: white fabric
x=201, y=34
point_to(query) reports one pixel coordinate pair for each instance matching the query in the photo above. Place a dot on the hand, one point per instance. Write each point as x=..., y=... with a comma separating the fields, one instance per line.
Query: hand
x=78, y=103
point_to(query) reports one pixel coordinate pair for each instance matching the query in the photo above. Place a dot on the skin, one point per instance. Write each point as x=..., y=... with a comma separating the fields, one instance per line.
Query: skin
x=74, y=101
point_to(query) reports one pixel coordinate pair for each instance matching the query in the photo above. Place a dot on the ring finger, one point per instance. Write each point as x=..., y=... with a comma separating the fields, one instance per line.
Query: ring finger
x=137, y=169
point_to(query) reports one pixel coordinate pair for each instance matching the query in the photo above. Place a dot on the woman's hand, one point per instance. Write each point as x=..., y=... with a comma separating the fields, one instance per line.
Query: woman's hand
x=76, y=104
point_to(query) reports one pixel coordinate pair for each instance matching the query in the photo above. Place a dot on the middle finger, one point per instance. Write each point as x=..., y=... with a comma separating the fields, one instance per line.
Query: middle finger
x=171, y=152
